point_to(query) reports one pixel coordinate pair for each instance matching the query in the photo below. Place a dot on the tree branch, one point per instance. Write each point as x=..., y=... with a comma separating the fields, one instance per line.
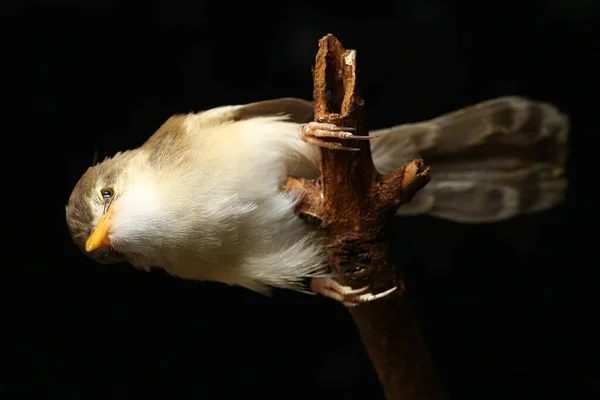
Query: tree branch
x=355, y=205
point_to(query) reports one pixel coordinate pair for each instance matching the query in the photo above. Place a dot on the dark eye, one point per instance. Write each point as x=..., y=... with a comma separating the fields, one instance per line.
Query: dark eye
x=107, y=194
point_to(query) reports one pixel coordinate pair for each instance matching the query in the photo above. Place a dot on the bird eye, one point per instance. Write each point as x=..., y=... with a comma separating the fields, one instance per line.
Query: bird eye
x=107, y=194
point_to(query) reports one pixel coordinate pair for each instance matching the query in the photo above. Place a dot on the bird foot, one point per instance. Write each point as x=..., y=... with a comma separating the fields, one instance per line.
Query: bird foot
x=313, y=131
x=328, y=287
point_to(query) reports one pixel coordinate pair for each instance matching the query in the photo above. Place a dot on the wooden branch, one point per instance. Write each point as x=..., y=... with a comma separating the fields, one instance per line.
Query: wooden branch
x=355, y=205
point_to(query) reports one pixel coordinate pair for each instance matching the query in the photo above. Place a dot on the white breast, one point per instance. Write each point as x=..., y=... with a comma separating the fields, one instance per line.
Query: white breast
x=225, y=218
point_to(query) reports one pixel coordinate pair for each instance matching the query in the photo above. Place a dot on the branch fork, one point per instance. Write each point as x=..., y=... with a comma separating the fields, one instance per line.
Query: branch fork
x=351, y=201
x=355, y=205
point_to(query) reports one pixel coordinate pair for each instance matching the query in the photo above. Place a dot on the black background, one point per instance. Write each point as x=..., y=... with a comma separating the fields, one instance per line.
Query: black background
x=507, y=309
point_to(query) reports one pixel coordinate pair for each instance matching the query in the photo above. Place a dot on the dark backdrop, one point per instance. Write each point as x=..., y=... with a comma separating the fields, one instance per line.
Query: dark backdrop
x=507, y=309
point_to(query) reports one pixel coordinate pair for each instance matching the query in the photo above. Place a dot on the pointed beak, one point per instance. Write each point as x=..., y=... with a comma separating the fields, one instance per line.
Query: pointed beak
x=99, y=237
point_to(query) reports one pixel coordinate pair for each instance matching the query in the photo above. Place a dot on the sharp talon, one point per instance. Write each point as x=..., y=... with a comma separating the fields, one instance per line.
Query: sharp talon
x=345, y=294
x=329, y=145
x=327, y=127
x=349, y=291
x=380, y=295
x=330, y=133
x=347, y=148
x=368, y=297
x=357, y=137
x=341, y=128
x=338, y=146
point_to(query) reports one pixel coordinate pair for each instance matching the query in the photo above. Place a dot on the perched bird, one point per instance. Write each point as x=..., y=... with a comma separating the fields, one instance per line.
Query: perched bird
x=201, y=197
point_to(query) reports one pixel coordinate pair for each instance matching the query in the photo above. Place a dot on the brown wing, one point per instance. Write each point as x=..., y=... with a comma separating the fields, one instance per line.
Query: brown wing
x=489, y=161
x=297, y=110
x=164, y=141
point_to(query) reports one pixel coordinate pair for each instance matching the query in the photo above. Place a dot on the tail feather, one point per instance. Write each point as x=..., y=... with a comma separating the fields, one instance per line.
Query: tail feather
x=489, y=162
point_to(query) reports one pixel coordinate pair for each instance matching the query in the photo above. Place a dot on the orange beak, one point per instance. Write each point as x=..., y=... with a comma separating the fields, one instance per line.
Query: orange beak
x=99, y=237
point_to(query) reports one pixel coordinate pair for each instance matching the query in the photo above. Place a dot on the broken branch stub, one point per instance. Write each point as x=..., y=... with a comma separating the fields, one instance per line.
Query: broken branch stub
x=351, y=200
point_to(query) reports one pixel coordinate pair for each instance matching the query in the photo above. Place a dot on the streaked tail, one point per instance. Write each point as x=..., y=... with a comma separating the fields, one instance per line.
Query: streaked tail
x=489, y=162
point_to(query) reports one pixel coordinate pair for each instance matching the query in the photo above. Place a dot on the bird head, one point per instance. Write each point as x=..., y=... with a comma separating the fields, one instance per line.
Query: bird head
x=107, y=207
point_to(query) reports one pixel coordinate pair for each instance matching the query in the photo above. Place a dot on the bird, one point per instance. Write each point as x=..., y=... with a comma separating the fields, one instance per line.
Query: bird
x=202, y=198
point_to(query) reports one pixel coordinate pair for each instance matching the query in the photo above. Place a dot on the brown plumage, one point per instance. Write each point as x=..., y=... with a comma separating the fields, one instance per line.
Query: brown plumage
x=489, y=162
x=201, y=197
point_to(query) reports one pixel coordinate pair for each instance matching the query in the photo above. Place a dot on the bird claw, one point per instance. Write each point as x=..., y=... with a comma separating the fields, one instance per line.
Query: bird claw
x=328, y=287
x=313, y=131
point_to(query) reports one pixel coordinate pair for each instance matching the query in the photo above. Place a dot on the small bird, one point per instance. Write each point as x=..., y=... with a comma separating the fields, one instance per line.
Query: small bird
x=201, y=197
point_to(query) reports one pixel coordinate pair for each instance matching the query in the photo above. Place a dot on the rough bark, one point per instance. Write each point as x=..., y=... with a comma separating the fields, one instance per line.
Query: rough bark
x=355, y=205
